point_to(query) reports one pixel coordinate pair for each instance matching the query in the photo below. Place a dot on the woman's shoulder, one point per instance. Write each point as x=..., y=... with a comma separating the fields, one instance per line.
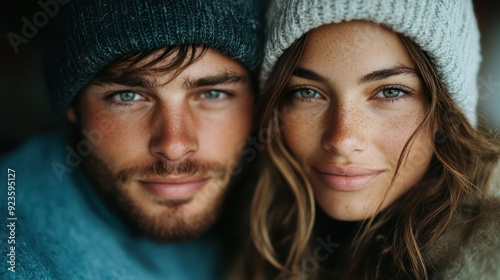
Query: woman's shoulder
x=471, y=250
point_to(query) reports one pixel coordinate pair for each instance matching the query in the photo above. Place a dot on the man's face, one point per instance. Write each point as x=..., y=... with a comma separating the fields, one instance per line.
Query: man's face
x=169, y=142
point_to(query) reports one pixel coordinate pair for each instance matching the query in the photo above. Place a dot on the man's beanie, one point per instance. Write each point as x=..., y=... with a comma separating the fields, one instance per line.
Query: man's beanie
x=445, y=29
x=92, y=33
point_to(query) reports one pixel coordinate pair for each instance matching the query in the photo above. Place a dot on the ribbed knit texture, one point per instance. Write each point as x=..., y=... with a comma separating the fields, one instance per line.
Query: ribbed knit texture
x=446, y=29
x=92, y=33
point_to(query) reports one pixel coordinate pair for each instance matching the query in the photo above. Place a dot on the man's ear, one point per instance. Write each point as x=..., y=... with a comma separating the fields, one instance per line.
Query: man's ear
x=70, y=114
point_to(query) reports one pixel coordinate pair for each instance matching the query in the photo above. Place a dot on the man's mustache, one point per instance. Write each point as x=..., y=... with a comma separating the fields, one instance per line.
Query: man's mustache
x=183, y=168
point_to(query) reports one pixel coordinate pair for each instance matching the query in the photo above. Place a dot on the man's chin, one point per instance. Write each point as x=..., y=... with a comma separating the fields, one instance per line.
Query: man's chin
x=173, y=219
x=173, y=203
x=172, y=232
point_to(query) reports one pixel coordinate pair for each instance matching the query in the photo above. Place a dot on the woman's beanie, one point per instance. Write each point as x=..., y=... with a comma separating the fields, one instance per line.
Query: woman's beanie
x=445, y=29
x=92, y=33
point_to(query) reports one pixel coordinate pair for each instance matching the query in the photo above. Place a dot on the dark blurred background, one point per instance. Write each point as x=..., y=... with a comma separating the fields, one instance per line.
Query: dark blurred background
x=24, y=104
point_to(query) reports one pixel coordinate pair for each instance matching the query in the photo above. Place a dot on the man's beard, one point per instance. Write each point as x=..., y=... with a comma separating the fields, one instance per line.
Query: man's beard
x=174, y=222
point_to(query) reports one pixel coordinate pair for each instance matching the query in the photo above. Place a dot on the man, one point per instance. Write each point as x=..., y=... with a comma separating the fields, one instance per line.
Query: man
x=159, y=97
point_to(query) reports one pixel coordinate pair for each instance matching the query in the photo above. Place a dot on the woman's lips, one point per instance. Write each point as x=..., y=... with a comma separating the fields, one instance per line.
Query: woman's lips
x=346, y=178
x=174, y=188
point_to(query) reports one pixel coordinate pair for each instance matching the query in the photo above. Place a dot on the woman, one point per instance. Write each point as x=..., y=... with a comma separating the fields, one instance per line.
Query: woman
x=369, y=112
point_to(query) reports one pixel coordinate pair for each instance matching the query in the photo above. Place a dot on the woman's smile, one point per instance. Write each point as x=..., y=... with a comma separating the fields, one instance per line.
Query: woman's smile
x=347, y=178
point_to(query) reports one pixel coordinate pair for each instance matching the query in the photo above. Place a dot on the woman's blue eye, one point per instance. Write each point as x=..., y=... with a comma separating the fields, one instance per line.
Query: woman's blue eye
x=391, y=92
x=306, y=93
x=212, y=94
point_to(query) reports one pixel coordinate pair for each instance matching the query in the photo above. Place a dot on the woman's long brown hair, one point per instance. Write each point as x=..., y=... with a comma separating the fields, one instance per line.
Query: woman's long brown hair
x=283, y=208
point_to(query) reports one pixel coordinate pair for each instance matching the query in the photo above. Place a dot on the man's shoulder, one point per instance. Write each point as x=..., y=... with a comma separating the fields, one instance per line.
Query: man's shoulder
x=41, y=204
x=37, y=151
x=46, y=159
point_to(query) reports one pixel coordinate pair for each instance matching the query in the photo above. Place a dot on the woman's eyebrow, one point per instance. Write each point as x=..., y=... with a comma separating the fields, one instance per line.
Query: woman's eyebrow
x=309, y=75
x=386, y=73
x=373, y=76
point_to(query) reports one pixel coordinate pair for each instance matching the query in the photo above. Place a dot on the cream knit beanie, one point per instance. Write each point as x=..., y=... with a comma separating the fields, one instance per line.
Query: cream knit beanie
x=446, y=29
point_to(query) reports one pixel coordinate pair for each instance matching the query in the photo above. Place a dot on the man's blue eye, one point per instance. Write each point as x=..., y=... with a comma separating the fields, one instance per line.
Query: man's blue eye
x=212, y=94
x=126, y=96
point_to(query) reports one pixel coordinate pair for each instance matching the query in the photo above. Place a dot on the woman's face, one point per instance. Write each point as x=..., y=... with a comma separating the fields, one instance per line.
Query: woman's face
x=351, y=105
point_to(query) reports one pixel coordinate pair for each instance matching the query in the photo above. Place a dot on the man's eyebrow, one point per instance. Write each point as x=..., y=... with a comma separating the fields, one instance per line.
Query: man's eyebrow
x=126, y=81
x=386, y=73
x=213, y=80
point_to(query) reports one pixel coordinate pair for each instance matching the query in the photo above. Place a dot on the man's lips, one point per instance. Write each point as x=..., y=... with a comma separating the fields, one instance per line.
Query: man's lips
x=174, y=187
x=346, y=178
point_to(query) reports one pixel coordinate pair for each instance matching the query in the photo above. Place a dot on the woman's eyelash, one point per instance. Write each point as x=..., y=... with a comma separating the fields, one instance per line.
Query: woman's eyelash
x=404, y=90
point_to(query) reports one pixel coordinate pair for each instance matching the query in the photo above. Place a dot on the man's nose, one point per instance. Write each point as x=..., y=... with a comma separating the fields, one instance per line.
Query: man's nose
x=174, y=133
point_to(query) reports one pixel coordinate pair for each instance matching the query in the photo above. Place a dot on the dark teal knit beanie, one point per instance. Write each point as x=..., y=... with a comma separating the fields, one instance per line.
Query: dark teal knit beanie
x=92, y=33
